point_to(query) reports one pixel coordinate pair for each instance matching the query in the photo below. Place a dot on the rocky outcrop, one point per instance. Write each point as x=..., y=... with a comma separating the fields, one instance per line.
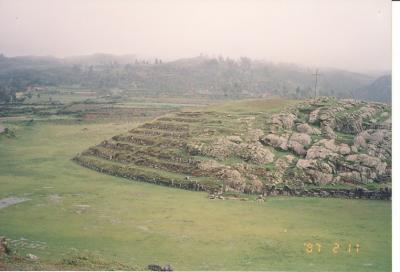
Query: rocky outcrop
x=331, y=158
x=376, y=143
x=316, y=143
x=335, y=158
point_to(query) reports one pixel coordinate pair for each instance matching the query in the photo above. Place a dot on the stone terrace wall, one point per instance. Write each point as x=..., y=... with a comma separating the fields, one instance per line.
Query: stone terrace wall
x=357, y=193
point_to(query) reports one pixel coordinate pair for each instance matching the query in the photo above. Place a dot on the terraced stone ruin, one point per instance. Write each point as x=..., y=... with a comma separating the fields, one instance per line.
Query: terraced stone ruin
x=322, y=147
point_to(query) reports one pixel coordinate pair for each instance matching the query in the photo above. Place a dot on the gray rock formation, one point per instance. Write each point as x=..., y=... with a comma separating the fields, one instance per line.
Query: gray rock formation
x=306, y=128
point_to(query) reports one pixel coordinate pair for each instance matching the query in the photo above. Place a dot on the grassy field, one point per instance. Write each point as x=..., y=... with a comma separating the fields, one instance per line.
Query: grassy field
x=77, y=218
x=89, y=220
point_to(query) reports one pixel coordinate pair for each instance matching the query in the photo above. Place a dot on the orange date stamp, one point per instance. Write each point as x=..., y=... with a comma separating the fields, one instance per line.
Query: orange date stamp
x=335, y=248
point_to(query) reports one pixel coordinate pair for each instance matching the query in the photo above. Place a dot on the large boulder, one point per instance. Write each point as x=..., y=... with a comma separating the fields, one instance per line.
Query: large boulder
x=378, y=136
x=297, y=143
x=342, y=148
x=320, y=152
x=350, y=177
x=313, y=117
x=325, y=115
x=368, y=111
x=327, y=131
x=4, y=249
x=387, y=124
x=254, y=135
x=319, y=177
x=384, y=115
x=232, y=180
x=314, y=164
x=276, y=141
x=306, y=128
x=280, y=166
x=318, y=171
x=297, y=148
x=235, y=139
x=360, y=140
x=210, y=166
x=220, y=149
x=194, y=148
x=375, y=143
x=255, y=185
x=368, y=161
x=283, y=120
x=256, y=153
x=351, y=123
x=301, y=138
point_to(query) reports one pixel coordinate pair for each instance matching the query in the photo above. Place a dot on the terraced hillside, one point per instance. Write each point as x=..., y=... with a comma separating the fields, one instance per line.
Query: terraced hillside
x=265, y=146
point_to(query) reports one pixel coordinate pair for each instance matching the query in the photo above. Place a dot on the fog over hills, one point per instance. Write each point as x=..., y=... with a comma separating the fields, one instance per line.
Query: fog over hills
x=220, y=77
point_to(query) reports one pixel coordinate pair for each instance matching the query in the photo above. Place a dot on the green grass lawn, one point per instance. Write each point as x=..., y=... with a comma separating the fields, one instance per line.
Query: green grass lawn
x=80, y=212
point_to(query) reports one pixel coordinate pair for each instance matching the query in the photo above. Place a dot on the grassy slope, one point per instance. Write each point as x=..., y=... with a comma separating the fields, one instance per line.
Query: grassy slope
x=139, y=223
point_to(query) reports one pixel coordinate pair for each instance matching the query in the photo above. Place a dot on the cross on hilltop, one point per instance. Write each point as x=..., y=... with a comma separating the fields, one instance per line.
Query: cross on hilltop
x=316, y=82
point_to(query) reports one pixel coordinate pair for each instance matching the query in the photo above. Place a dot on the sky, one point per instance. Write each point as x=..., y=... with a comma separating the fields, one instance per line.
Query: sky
x=347, y=34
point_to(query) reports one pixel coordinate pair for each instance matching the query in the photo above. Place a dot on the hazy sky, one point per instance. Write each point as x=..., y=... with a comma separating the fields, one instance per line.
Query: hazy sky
x=348, y=34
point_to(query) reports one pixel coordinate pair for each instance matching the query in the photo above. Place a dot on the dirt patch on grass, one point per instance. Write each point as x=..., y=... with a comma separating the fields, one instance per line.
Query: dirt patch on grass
x=8, y=201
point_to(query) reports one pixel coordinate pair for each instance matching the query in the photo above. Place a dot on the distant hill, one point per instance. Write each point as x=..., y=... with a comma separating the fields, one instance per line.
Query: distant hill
x=380, y=90
x=199, y=76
